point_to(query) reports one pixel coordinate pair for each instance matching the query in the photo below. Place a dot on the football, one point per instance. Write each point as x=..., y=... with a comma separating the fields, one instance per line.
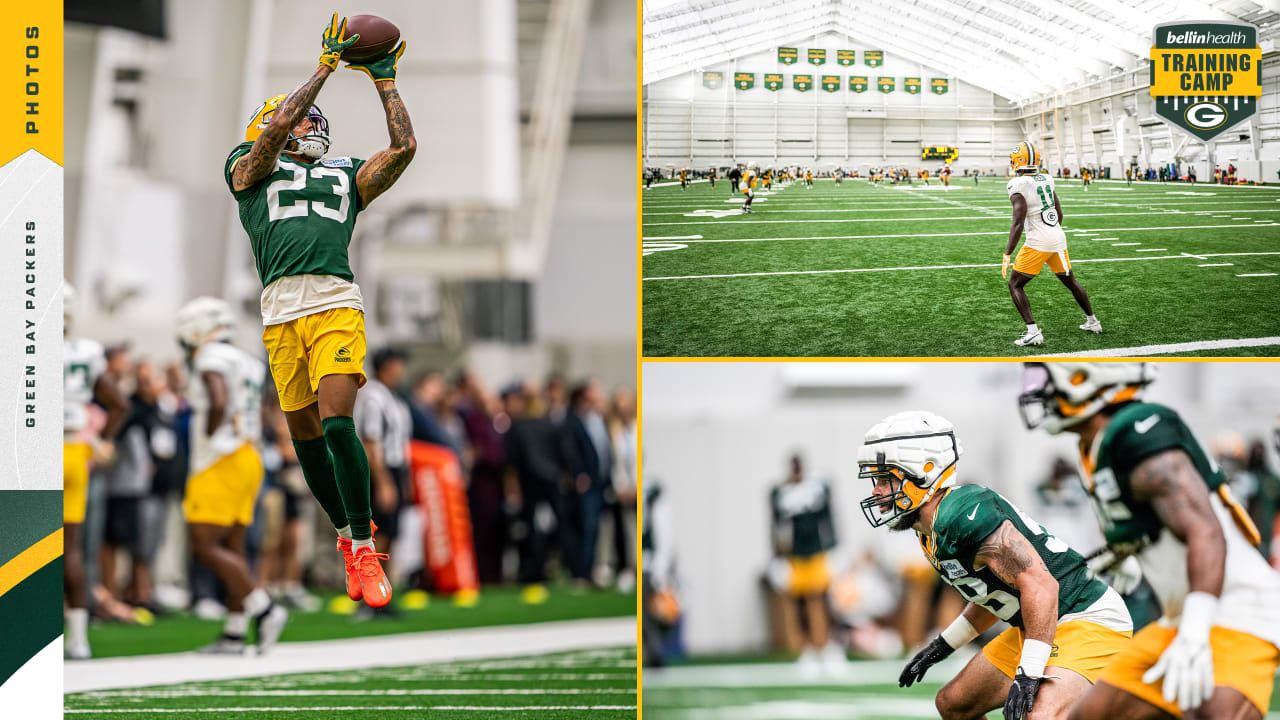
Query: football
x=378, y=36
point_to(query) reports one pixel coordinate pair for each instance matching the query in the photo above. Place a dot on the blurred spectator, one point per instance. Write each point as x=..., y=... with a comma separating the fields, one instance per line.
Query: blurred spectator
x=1062, y=506
x=485, y=491
x=591, y=467
x=556, y=398
x=661, y=614
x=383, y=421
x=621, y=495
x=536, y=453
x=424, y=408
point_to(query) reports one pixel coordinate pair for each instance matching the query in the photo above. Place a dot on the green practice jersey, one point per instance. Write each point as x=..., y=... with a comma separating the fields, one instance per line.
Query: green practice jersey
x=300, y=217
x=968, y=515
x=1138, y=431
x=802, y=522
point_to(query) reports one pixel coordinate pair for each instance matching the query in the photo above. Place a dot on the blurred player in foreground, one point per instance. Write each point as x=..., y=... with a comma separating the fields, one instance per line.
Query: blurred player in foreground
x=1036, y=209
x=1006, y=565
x=1162, y=498
x=84, y=365
x=299, y=210
x=224, y=388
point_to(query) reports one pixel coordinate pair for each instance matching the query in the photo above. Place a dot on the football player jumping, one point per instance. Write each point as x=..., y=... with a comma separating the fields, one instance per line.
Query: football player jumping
x=1037, y=210
x=224, y=387
x=85, y=381
x=1160, y=497
x=1064, y=623
x=299, y=210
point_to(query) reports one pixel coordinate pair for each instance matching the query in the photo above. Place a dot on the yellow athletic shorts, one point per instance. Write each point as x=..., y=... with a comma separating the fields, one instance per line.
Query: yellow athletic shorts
x=1029, y=261
x=224, y=492
x=1079, y=645
x=302, y=351
x=75, y=481
x=1241, y=661
x=809, y=575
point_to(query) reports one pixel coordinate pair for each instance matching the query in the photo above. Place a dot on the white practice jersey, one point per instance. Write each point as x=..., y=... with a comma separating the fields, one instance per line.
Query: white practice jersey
x=244, y=375
x=1250, y=587
x=83, y=362
x=1042, y=227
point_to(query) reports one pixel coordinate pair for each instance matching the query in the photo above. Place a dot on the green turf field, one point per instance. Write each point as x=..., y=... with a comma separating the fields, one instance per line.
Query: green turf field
x=495, y=606
x=581, y=684
x=776, y=691
x=858, y=270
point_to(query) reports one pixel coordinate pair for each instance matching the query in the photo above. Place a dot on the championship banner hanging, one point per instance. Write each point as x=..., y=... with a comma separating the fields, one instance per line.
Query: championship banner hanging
x=846, y=57
x=713, y=80
x=885, y=84
x=831, y=83
x=744, y=81
x=802, y=82
x=858, y=83
x=912, y=85
x=939, y=86
x=787, y=56
x=1206, y=76
x=773, y=81
x=873, y=58
x=817, y=57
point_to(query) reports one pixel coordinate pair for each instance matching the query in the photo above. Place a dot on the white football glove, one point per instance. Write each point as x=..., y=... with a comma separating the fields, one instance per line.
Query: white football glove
x=1187, y=664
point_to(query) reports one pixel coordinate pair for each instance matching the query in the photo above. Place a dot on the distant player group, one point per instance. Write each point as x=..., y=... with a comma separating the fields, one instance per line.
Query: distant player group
x=1071, y=651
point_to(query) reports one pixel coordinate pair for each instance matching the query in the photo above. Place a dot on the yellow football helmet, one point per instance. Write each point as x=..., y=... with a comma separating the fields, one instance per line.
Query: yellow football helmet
x=1024, y=158
x=916, y=452
x=314, y=144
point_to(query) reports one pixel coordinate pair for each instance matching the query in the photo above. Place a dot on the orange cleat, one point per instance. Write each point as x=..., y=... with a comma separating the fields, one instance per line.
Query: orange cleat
x=374, y=584
x=353, y=579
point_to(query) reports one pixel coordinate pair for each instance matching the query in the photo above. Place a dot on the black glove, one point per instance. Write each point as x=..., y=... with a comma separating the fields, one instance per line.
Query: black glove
x=936, y=651
x=1022, y=695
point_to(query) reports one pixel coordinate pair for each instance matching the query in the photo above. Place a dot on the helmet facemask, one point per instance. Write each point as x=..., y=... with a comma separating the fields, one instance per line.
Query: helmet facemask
x=1059, y=396
x=315, y=143
x=900, y=515
x=1036, y=402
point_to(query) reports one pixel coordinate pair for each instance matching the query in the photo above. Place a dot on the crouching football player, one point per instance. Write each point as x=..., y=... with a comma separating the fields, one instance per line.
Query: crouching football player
x=1064, y=624
x=1162, y=499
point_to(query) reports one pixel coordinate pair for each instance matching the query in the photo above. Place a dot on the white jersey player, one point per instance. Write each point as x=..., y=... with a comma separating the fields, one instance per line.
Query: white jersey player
x=224, y=390
x=86, y=436
x=1036, y=211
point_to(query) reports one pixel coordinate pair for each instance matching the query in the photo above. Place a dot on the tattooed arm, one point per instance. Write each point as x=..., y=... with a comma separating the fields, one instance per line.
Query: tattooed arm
x=382, y=170
x=1170, y=482
x=260, y=161
x=1012, y=558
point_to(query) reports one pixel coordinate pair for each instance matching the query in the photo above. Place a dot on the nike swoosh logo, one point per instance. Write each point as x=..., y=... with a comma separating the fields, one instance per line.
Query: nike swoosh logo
x=974, y=512
x=1142, y=426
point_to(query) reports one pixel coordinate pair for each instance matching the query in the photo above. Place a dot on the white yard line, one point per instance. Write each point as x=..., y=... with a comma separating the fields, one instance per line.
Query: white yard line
x=1215, y=265
x=1197, y=346
x=1153, y=250
x=362, y=710
x=326, y=655
x=962, y=234
x=1120, y=244
x=938, y=267
x=706, y=219
x=1257, y=275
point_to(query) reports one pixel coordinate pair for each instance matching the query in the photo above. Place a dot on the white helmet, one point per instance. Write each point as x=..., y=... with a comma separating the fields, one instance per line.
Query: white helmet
x=205, y=319
x=68, y=306
x=1060, y=395
x=918, y=449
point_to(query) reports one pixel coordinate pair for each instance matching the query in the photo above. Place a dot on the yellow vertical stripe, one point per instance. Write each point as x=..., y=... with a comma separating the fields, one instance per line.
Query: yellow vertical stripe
x=31, y=81
x=30, y=560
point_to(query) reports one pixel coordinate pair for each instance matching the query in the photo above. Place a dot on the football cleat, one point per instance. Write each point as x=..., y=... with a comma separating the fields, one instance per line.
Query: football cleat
x=268, y=626
x=78, y=651
x=1033, y=337
x=1093, y=326
x=224, y=645
x=375, y=586
x=353, y=578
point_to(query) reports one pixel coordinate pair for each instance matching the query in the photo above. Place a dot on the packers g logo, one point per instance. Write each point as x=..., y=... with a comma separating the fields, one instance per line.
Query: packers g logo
x=1205, y=115
x=342, y=355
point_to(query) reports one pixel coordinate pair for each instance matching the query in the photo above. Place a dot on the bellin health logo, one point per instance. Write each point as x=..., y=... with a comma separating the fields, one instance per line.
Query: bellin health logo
x=1206, y=76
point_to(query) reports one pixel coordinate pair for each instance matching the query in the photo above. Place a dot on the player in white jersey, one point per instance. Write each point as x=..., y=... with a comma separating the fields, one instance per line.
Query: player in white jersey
x=1162, y=499
x=86, y=437
x=225, y=390
x=1036, y=209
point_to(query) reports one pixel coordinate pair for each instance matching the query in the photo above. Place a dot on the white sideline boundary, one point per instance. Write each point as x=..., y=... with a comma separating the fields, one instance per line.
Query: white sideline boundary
x=367, y=652
x=1144, y=350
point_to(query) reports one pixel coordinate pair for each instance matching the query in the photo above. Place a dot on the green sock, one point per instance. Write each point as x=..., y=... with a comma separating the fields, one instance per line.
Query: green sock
x=317, y=468
x=352, y=468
